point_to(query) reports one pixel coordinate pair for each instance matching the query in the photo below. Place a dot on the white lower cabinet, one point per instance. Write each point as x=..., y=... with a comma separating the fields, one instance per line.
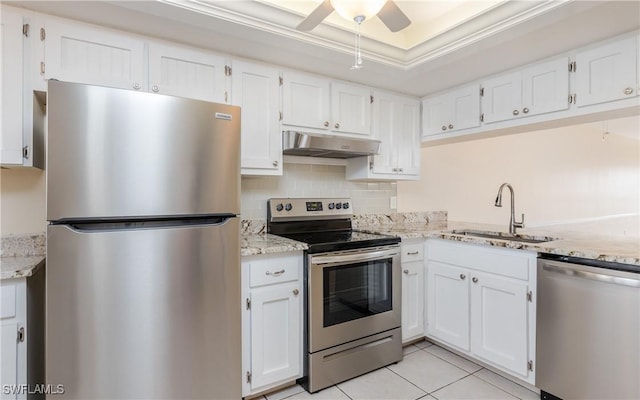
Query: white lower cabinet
x=272, y=293
x=412, y=260
x=481, y=302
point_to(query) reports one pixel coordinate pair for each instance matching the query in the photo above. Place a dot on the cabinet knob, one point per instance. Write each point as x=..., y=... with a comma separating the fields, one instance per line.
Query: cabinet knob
x=275, y=163
x=296, y=292
x=463, y=276
x=400, y=169
x=628, y=90
x=326, y=123
x=525, y=110
x=136, y=86
x=406, y=271
x=474, y=279
x=155, y=88
x=444, y=127
x=395, y=170
x=450, y=126
x=337, y=125
x=516, y=112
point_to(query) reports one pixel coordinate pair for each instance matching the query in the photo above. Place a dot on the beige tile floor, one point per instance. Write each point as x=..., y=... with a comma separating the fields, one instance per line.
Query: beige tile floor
x=427, y=372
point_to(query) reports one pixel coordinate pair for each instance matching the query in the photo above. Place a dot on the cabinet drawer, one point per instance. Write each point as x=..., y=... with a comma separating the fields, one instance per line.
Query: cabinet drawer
x=270, y=271
x=509, y=263
x=412, y=252
x=8, y=300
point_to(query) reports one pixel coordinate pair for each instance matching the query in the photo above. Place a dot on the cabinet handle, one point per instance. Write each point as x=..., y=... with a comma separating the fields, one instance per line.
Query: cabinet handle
x=155, y=88
x=337, y=125
x=444, y=127
x=296, y=292
x=275, y=273
x=413, y=253
x=136, y=86
x=525, y=110
x=401, y=169
x=395, y=170
x=474, y=279
x=628, y=90
x=406, y=271
x=450, y=126
x=462, y=276
x=275, y=163
x=516, y=112
x=326, y=123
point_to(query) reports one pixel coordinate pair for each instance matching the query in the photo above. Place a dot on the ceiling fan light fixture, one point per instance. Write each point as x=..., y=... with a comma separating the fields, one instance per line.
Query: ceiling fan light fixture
x=362, y=9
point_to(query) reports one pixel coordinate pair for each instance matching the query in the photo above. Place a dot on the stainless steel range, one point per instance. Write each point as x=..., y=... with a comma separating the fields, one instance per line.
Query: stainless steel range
x=352, y=323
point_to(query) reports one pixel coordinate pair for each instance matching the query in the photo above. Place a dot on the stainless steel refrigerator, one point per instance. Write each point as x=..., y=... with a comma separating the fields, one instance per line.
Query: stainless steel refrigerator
x=143, y=253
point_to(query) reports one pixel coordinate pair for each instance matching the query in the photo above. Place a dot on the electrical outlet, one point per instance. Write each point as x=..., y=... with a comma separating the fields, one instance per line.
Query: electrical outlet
x=393, y=202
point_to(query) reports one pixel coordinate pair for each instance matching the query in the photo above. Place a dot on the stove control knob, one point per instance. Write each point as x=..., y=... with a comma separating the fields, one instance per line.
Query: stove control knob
x=279, y=207
x=338, y=206
x=331, y=206
x=345, y=205
x=288, y=207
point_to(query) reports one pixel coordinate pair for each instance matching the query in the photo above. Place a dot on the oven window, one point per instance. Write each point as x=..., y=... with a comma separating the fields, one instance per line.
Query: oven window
x=356, y=291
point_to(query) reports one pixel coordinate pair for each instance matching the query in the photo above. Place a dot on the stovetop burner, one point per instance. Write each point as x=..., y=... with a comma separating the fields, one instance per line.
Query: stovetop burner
x=320, y=224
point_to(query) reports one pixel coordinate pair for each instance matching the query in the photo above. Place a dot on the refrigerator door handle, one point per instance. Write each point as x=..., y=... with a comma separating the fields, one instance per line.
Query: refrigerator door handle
x=144, y=223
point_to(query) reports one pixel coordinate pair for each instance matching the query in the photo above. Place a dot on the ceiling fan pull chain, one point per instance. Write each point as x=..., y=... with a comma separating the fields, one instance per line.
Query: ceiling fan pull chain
x=357, y=54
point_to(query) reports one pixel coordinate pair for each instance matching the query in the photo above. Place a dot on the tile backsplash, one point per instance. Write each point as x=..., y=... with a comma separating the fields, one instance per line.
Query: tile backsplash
x=302, y=180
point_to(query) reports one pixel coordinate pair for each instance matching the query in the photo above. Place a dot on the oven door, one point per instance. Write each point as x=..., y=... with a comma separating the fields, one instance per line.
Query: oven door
x=352, y=294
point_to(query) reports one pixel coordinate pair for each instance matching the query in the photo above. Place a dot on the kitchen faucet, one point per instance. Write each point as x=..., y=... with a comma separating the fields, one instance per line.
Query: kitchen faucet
x=513, y=224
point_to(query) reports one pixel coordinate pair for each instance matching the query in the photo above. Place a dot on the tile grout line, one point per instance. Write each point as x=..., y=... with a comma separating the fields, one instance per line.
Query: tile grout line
x=504, y=390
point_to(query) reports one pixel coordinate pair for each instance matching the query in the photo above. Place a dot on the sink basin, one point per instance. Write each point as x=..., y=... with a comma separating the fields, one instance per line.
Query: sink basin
x=505, y=236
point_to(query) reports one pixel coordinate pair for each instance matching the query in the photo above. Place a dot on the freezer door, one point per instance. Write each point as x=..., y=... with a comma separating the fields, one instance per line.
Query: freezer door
x=144, y=314
x=122, y=153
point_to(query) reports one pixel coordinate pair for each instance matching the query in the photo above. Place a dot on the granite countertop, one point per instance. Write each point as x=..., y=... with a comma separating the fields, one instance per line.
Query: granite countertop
x=605, y=240
x=264, y=243
x=21, y=255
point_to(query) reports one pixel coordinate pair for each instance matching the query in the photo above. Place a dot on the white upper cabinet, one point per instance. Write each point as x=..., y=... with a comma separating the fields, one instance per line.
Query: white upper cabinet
x=396, y=123
x=350, y=108
x=305, y=100
x=538, y=89
x=82, y=53
x=185, y=72
x=452, y=111
x=11, y=110
x=607, y=73
x=310, y=101
x=255, y=88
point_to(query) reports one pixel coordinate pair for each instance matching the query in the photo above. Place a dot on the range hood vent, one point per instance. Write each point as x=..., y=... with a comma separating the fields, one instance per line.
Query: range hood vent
x=314, y=145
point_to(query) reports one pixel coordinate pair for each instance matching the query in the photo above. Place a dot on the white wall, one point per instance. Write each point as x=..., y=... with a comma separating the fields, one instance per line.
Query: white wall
x=559, y=175
x=22, y=201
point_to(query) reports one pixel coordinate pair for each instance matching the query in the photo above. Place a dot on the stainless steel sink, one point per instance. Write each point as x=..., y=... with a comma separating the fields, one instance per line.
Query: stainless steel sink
x=518, y=237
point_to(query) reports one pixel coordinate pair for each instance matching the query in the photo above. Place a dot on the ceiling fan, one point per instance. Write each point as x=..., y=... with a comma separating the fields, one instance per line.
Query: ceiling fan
x=358, y=11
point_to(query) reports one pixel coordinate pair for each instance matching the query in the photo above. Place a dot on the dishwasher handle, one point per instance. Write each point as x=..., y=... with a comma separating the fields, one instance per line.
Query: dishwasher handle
x=586, y=273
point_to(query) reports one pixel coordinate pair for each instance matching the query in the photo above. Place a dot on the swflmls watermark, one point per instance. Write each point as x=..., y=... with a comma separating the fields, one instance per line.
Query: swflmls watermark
x=41, y=388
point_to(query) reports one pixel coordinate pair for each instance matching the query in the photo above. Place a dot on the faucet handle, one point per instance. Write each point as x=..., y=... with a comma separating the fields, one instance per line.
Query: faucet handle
x=519, y=224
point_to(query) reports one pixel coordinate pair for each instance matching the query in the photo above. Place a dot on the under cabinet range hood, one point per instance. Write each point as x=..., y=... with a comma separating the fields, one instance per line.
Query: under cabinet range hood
x=296, y=143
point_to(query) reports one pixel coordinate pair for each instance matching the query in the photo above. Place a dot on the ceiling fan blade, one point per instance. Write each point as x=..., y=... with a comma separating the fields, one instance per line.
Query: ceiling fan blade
x=318, y=15
x=393, y=17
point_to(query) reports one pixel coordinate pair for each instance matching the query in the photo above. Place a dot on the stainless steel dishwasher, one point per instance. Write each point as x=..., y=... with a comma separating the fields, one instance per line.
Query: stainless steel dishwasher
x=588, y=329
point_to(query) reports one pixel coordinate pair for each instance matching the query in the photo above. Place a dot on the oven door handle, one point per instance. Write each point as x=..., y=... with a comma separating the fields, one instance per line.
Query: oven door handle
x=347, y=258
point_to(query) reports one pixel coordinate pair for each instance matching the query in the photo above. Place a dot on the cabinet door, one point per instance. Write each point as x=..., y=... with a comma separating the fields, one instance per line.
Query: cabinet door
x=350, y=109
x=435, y=114
x=545, y=87
x=412, y=300
x=382, y=126
x=305, y=100
x=407, y=132
x=184, y=72
x=255, y=88
x=499, y=321
x=85, y=54
x=464, y=106
x=275, y=334
x=9, y=351
x=448, y=304
x=606, y=73
x=502, y=97
x=11, y=67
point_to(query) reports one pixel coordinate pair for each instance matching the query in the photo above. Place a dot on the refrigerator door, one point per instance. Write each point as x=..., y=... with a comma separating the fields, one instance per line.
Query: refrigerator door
x=114, y=153
x=144, y=313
